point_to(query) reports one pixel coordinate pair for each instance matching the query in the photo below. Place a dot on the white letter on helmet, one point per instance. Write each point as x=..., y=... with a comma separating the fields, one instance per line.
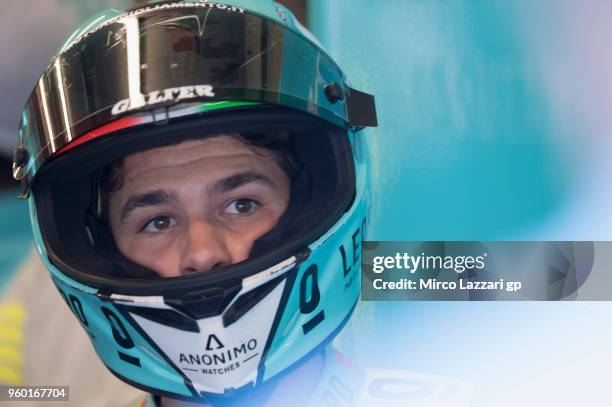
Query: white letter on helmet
x=121, y=107
x=205, y=90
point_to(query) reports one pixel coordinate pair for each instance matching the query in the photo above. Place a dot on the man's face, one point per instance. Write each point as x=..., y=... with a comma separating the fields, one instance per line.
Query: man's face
x=196, y=205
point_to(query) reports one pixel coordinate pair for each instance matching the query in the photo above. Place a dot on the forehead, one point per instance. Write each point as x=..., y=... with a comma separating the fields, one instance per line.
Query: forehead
x=220, y=147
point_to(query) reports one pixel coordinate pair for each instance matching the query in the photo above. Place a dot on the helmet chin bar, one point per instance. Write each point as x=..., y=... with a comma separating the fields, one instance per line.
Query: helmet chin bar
x=181, y=312
x=215, y=348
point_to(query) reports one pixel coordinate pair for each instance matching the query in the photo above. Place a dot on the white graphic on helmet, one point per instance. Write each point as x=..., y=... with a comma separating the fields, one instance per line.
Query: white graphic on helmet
x=88, y=32
x=166, y=95
x=219, y=358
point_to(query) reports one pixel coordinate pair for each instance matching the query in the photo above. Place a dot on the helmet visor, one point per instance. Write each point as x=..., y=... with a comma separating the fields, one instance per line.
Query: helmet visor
x=152, y=58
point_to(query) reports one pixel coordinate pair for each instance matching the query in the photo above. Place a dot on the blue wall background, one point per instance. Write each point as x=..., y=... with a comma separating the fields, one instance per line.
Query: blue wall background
x=494, y=124
x=488, y=113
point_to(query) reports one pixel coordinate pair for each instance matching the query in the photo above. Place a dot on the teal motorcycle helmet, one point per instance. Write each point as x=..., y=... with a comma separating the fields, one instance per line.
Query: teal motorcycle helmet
x=168, y=71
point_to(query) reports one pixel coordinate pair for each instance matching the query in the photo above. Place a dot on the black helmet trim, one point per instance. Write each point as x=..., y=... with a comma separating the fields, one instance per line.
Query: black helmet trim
x=319, y=197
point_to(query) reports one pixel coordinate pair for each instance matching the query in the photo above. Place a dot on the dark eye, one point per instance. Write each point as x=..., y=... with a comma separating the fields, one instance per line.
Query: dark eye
x=158, y=224
x=241, y=206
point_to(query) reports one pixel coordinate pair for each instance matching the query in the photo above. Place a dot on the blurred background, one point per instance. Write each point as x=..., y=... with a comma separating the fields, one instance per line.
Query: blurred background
x=495, y=124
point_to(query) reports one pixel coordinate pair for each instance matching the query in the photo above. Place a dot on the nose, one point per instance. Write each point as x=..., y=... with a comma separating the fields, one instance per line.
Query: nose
x=204, y=248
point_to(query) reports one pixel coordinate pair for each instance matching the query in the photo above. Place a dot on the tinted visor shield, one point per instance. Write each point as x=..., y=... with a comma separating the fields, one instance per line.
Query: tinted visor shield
x=152, y=58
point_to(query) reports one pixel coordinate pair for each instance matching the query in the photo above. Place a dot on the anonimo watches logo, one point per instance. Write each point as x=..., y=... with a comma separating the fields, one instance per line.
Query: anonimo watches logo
x=161, y=96
x=219, y=359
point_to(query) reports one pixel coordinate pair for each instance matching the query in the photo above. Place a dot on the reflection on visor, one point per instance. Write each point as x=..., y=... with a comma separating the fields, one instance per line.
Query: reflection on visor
x=181, y=53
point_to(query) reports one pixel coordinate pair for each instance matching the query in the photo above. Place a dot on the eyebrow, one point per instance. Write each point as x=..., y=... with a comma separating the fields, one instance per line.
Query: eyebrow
x=237, y=180
x=150, y=198
x=161, y=197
